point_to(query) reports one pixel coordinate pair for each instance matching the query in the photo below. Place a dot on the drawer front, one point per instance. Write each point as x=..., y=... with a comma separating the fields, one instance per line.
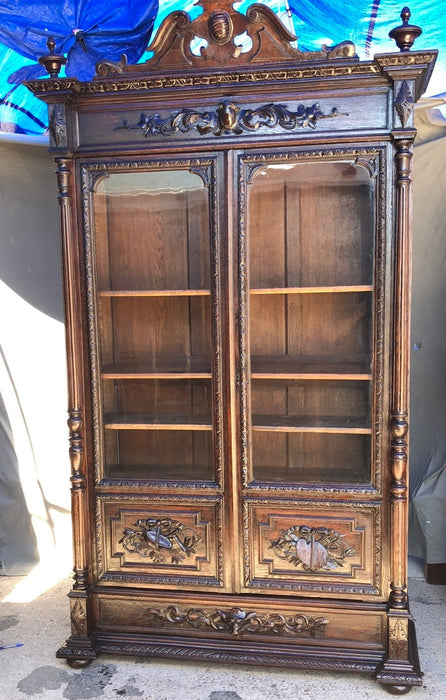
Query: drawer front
x=247, y=618
x=160, y=541
x=324, y=548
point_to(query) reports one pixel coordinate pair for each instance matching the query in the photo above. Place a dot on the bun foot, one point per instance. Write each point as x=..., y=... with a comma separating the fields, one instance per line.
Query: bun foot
x=79, y=663
x=398, y=689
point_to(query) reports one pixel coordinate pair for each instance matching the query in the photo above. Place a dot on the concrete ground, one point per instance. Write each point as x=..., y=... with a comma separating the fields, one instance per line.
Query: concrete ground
x=40, y=624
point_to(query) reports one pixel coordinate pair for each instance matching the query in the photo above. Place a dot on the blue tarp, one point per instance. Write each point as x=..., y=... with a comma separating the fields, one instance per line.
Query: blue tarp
x=87, y=31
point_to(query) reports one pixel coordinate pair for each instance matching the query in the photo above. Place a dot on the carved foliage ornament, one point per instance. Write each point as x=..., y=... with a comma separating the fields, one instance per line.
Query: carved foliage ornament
x=158, y=539
x=236, y=621
x=312, y=548
x=228, y=118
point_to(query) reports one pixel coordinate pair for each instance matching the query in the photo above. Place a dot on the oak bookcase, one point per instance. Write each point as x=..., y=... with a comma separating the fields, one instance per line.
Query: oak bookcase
x=236, y=246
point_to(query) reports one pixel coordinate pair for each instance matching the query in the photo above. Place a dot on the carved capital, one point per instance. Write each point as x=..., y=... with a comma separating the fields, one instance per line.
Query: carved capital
x=399, y=429
x=403, y=157
x=63, y=173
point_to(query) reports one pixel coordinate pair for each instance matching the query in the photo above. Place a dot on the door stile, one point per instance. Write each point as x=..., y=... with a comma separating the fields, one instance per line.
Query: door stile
x=231, y=368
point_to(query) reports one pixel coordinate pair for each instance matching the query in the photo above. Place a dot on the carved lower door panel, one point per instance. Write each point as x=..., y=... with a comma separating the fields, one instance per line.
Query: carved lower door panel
x=155, y=541
x=319, y=548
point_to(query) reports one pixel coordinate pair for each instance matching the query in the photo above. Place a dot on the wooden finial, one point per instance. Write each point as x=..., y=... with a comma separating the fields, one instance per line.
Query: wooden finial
x=51, y=61
x=406, y=33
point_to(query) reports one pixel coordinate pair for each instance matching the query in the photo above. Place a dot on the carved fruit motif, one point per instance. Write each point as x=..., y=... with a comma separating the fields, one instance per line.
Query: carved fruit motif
x=220, y=27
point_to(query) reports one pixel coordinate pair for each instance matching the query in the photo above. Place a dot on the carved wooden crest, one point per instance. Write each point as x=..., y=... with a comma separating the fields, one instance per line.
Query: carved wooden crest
x=219, y=29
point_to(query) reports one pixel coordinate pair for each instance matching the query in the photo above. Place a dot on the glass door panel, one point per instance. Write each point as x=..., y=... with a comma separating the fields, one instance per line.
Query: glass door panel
x=310, y=322
x=310, y=225
x=166, y=245
x=153, y=256
x=296, y=424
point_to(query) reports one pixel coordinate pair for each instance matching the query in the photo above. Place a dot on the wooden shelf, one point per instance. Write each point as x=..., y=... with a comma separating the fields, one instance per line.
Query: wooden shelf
x=306, y=475
x=193, y=368
x=286, y=367
x=161, y=472
x=309, y=424
x=154, y=293
x=312, y=290
x=157, y=422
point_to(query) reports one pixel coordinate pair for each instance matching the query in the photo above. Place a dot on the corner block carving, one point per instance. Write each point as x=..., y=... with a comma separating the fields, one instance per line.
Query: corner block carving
x=79, y=618
x=57, y=125
x=404, y=103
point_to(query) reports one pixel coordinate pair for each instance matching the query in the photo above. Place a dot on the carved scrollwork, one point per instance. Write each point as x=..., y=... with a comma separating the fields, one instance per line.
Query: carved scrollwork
x=312, y=548
x=105, y=68
x=155, y=538
x=229, y=118
x=236, y=621
x=343, y=50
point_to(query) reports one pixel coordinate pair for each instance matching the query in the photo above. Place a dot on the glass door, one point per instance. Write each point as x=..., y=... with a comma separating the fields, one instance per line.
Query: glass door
x=155, y=287
x=308, y=314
